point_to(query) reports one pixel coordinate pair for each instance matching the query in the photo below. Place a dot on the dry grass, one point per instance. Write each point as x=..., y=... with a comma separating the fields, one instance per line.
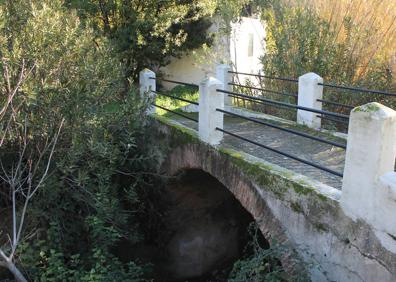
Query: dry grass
x=374, y=24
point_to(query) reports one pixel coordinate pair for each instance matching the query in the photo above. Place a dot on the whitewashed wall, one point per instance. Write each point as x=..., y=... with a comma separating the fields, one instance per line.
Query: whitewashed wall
x=239, y=44
x=231, y=49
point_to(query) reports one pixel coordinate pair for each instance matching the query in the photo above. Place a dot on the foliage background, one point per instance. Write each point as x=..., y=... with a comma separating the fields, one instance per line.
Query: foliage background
x=349, y=43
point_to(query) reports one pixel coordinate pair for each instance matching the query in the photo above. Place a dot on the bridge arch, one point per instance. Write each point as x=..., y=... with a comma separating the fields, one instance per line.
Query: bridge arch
x=198, y=156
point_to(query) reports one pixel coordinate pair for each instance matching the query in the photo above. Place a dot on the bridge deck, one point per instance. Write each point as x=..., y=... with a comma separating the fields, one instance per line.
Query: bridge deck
x=320, y=153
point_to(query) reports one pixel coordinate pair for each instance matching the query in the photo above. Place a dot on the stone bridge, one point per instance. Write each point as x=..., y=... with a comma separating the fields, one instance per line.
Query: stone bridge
x=343, y=227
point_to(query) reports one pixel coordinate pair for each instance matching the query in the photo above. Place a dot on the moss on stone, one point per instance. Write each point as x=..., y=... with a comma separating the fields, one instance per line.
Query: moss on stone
x=321, y=226
x=302, y=189
x=367, y=108
x=275, y=180
x=263, y=174
x=322, y=197
x=182, y=134
x=296, y=207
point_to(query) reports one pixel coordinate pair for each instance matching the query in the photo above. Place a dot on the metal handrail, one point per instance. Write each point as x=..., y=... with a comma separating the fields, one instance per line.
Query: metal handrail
x=262, y=89
x=285, y=129
x=335, y=103
x=176, y=82
x=283, y=153
x=356, y=89
x=283, y=104
x=363, y=90
x=174, y=97
x=266, y=76
x=333, y=119
x=174, y=112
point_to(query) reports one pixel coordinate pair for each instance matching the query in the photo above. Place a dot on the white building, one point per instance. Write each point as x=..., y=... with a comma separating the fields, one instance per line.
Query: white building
x=242, y=48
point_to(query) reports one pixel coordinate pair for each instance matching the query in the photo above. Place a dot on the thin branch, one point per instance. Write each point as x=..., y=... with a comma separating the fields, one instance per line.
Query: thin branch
x=12, y=93
x=3, y=256
x=49, y=160
x=6, y=130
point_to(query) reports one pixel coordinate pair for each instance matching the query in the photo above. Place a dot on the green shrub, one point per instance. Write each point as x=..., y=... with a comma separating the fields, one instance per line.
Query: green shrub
x=263, y=264
x=93, y=196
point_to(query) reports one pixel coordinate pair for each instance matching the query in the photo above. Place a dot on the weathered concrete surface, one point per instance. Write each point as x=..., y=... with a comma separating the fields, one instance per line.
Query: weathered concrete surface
x=287, y=206
x=369, y=179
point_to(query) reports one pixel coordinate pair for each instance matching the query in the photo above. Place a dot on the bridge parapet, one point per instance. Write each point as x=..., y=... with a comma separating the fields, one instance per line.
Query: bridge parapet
x=369, y=182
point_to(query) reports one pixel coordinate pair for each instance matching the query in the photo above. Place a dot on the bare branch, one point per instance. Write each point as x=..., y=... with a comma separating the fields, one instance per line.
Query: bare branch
x=17, y=181
x=11, y=93
x=49, y=160
x=3, y=256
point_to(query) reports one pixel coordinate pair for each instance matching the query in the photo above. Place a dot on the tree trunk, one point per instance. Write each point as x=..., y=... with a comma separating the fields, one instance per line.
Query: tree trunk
x=15, y=271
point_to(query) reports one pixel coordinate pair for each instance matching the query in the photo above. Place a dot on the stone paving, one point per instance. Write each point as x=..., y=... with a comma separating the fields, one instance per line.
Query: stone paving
x=314, y=151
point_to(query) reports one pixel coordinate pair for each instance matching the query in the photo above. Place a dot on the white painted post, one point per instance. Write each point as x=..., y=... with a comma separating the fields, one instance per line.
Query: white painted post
x=223, y=75
x=309, y=91
x=385, y=221
x=368, y=188
x=148, y=84
x=209, y=118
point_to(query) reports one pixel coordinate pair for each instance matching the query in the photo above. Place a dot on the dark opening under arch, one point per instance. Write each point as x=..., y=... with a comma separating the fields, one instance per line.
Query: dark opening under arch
x=207, y=227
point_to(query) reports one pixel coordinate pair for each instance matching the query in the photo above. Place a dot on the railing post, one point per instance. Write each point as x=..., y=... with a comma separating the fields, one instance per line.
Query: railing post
x=223, y=75
x=309, y=91
x=209, y=118
x=147, y=84
x=369, y=183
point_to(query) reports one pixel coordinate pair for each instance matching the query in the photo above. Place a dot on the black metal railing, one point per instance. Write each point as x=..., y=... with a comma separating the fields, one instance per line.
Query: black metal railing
x=263, y=90
x=283, y=104
x=174, y=112
x=318, y=166
x=344, y=121
x=295, y=132
x=175, y=82
x=264, y=101
x=322, y=114
x=355, y=89
x=266, y=76
x=328, y=115
x=335, y=104
x=175, y=97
